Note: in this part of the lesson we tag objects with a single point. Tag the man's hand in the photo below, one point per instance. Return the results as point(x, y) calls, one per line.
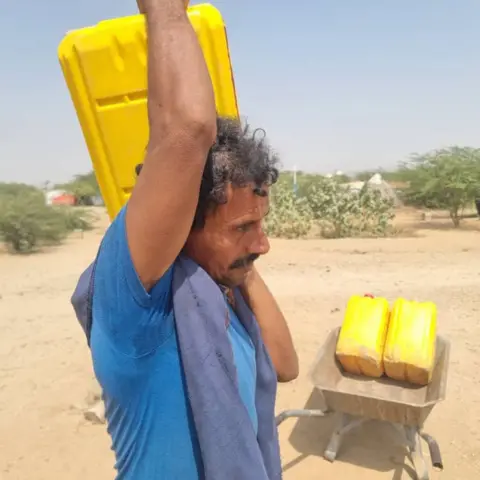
point(274, 328)
point(182, 125)
point(141, 6)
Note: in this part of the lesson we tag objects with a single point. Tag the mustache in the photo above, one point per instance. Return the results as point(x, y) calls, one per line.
point(244, 262)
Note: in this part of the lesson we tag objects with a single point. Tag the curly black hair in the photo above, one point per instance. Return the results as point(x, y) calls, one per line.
point(240, 156)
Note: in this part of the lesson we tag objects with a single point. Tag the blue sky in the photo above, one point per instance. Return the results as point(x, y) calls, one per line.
point(337, 84)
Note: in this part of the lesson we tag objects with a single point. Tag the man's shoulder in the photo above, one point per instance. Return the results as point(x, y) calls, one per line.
point(116, 276)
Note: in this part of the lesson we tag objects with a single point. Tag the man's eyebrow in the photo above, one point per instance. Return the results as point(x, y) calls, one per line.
point(249, 221)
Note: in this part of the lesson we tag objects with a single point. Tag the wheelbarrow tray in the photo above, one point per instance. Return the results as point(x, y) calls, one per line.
point(380, 399)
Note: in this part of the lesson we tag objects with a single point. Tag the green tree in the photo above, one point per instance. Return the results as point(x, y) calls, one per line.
point(27, 222)
point(83, 186)
point(447, 179)
point(342, 178)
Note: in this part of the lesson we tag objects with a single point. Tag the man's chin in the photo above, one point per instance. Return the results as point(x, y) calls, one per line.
point(235, 278)
point(242, 274)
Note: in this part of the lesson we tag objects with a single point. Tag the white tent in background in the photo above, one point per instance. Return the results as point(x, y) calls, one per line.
point(376, 182)
point(376, 179)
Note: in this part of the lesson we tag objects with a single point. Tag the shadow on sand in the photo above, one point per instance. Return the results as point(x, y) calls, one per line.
point(373, 446)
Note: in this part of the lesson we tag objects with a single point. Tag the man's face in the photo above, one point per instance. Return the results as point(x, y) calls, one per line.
point(232, 238)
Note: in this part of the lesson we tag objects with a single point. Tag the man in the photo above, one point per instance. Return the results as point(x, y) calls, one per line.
point(185, 375)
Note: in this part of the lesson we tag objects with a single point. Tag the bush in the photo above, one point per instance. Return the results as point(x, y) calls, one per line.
point(76, 218)
point(290, 216)
point(376, 213)
point(27, 223)
point(16, 190)
point(341, 212)
point(334, 208)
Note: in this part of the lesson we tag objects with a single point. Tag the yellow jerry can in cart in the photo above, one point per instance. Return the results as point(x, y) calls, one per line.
point(362, 336)
point(409, 353)
point(105, 68)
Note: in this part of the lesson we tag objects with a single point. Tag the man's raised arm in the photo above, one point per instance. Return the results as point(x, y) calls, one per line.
point(182, 122)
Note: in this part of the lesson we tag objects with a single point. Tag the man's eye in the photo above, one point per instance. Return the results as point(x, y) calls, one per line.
point(243, 228)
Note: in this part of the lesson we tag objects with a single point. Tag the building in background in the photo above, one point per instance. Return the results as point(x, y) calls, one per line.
point(60, 197)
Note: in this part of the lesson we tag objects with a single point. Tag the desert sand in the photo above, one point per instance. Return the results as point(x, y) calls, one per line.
point(46, 375)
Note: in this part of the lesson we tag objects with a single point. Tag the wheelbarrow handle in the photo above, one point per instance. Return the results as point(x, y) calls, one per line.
point(434, 449)
point(298, 413)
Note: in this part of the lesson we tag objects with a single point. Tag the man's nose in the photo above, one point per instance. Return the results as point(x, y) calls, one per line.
point(261, 245)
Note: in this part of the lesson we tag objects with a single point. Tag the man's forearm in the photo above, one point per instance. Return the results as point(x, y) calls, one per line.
point(275, 332)
point(182, 129)
point(180, 92)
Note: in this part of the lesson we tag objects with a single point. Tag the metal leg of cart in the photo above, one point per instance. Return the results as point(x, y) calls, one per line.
point(416, 453)
point(412, 438)
point(344, 424)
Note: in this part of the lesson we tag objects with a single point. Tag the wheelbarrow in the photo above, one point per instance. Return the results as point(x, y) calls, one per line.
point(356, 400)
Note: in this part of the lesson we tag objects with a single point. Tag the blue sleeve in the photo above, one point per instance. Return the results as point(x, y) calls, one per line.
point(135, 321)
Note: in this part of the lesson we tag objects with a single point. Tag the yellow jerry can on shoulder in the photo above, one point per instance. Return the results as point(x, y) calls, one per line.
point(362, 336)
point(409, 353)
point(105, 68)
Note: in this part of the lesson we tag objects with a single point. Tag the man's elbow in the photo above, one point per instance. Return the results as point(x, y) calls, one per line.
point(288, 372)
point(185, 129)
point(201, 129)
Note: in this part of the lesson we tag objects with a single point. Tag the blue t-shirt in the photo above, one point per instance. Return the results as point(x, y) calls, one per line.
point(136, 360)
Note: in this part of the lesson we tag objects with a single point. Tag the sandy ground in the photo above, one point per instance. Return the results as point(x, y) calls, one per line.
point(46, 374)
